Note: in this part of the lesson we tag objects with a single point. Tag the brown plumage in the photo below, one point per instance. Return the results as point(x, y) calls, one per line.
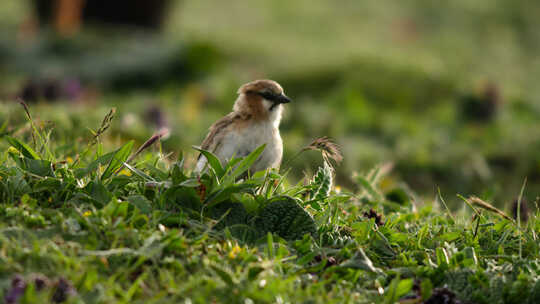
point(253, 122)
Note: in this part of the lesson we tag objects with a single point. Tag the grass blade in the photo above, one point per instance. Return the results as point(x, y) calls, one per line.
point(519, 215)
point(139, 173)
point(118, 160)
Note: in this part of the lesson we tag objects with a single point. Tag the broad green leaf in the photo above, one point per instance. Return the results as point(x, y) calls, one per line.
point(213, 161)
point(248, 161)
point(98, 192)
point(397, 289)
point(23, 148)
point(118, 159)
point(38, 166)
point(403, 287)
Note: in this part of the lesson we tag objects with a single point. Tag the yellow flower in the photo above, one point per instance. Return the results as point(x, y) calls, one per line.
point(69, 160)
point(234, 251)
point(11, 149)
point(126, 172)
point(87, 213)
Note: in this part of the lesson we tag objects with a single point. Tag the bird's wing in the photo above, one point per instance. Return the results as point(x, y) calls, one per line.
point(216, 134)
point(213, 141)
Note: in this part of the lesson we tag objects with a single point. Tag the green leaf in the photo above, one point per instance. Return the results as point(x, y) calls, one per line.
point(231, 164)
point(360, 261)
point(225, 193)
point(450, 236)
point(303, 261)
point(442, 256)
point(224, 275)
point(403, 287)
point(98, 192)
point(93, 166)
point(427, 289)
point(248, 161)
point(369, 188)
point(120, 156)
point(47, 184)
point(213, 161)
point(253, 272)
point(321, 184)
point(184, 197)
point(270, 245)
point(397, 289)
point(177, 173)
point(23, 148)
point(391, 292)
point(115, 208)
point(190, 183)
point(139, 173)
point(399, 196)
point(141, 202)
point(470, 254)
point(314, 204)
point(38, 166)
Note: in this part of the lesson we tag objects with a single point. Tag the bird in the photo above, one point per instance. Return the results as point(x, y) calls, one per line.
point(253, 122)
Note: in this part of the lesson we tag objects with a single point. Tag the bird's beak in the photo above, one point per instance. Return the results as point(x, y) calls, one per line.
point(282, 98)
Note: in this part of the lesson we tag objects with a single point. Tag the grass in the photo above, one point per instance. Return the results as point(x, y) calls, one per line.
point(80, 224)
point(395, 83)
point(90, 213)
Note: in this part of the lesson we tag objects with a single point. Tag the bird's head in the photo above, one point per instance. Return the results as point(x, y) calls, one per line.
point(262, 99)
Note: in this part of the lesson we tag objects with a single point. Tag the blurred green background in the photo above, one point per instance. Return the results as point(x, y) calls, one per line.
point(445, 93)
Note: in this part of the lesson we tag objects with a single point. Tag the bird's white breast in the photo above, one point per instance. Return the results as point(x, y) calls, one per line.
point(241, 142)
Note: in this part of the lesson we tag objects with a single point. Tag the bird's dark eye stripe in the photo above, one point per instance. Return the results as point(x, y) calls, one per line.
point(267, 95)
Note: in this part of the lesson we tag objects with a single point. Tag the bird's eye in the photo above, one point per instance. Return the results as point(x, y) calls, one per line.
point(267, 95)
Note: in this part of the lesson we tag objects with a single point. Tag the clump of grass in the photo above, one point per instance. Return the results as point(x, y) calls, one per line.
point(151, 239)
